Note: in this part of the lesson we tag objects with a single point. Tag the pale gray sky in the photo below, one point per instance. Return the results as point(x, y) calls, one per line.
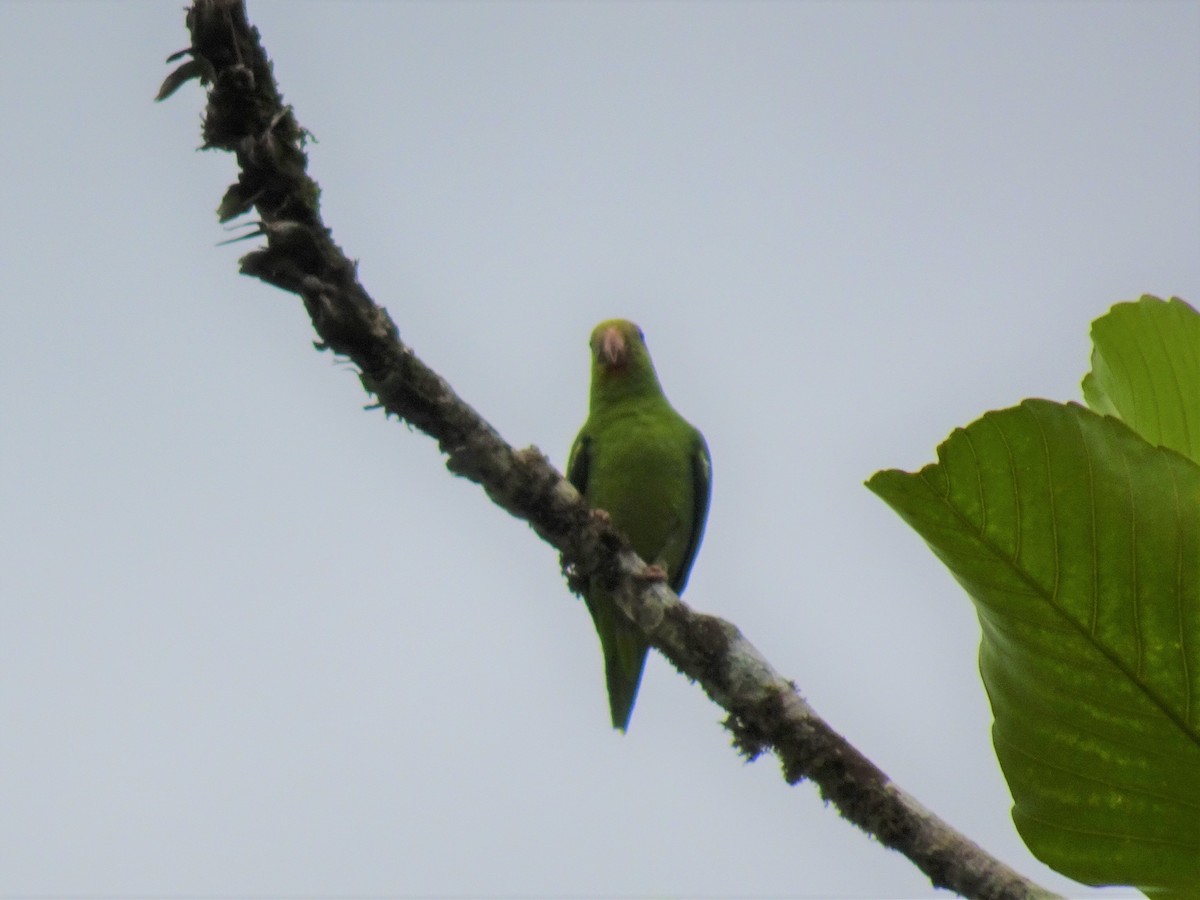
point(256, 641)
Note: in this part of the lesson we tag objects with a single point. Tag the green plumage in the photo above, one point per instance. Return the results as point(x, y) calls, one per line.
point(642, 463)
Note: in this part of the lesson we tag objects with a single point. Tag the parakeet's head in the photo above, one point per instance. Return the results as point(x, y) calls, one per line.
point(619, 345)
point(620, 361)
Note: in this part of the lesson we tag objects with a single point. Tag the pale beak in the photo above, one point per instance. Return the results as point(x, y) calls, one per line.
point(613, 349)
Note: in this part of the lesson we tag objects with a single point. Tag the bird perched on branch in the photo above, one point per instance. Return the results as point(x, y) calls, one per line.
point(643, 464)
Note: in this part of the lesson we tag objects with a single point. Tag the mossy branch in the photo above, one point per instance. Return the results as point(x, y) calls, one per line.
point(246, 116)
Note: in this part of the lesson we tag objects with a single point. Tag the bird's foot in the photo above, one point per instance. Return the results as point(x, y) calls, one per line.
point(653, 574)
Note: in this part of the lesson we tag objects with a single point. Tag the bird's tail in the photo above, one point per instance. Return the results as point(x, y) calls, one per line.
point(624, 658)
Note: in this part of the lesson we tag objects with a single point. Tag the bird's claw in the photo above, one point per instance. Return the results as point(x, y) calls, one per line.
point(653, 574)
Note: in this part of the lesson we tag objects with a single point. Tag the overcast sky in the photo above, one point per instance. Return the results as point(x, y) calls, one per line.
point(255, 640)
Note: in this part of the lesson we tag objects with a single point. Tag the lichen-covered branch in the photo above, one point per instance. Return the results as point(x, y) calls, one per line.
point(247, 117)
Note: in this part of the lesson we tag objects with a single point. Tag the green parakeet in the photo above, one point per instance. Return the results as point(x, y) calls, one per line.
point(642, 463)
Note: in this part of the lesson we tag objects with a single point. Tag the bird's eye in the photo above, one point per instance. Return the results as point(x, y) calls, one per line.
point(641, 336)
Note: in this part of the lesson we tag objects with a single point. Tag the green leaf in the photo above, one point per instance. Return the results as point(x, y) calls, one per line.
point(1079, 544)
point(1146, 371)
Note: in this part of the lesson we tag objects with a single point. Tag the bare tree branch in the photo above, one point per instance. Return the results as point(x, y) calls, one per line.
point(246, 116)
